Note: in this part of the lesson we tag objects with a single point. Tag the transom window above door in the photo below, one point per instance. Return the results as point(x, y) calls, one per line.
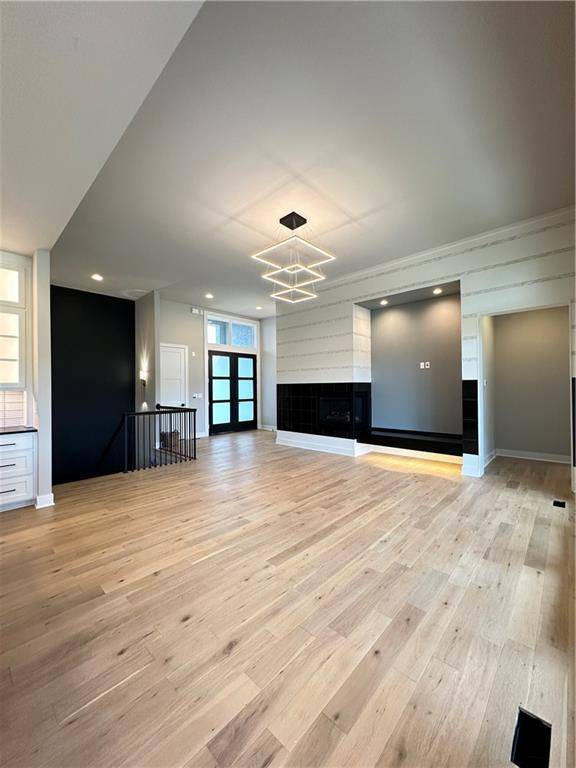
point(224, 332)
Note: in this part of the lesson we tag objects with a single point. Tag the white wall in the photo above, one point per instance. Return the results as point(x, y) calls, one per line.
point(525, 266)
point(532, 384)
point(42, 366)
point(268, 372)
point(488, 444)
point(178, 325)
point(362, 348)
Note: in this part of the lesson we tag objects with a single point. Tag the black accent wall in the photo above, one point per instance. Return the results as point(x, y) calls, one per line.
point(93, 382)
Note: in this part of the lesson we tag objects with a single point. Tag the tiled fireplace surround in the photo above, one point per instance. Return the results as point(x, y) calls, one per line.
point(343, 410)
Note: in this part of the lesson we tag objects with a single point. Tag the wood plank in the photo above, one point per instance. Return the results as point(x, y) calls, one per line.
point(345, 706)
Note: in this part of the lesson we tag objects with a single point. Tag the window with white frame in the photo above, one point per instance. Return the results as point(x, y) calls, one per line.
point(13, 329)
point(229, 332)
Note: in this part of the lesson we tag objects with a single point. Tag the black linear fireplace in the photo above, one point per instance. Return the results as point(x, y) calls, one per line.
point(334, 410)
point(337, 410)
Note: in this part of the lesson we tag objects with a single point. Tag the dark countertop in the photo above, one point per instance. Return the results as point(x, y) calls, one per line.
point(16, 430)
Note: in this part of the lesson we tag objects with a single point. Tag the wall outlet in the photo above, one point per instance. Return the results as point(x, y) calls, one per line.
point(422, 365)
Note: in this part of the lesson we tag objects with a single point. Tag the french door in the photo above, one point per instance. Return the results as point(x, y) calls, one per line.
point(232, 391)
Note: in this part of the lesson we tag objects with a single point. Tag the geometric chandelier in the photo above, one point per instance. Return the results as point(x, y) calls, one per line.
point(293, 264)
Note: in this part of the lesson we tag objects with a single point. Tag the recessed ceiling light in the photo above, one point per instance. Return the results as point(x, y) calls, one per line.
point(258, 307)
point(437, 291)
point(209, 296)
point(384, 302)
point(97, 277)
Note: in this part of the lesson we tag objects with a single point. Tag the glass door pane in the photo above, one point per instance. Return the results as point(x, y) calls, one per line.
point(221, 389)
point(245, 389)
point(220, 413)
point(220, 365)
point(245, 367)
point(246, 411)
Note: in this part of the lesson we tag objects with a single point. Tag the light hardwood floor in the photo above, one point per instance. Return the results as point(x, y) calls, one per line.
point(267, 606)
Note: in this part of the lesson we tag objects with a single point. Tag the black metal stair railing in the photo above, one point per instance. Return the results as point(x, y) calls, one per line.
point(166, 435)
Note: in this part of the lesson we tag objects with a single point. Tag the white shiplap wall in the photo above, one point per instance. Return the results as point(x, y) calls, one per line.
point(525, 266)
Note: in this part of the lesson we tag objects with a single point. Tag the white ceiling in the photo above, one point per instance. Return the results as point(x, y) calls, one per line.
point(393, 127)
point(73, 75)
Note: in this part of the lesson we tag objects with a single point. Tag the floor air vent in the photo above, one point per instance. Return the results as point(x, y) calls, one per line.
point(531, 746)
point(558, 503)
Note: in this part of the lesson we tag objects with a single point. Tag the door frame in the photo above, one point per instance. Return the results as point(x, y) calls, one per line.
point(186, 370)
point(228, 348)
point(236, 426)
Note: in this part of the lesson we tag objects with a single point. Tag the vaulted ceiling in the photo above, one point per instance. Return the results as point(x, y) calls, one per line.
point(72, 77)
point(393, 127)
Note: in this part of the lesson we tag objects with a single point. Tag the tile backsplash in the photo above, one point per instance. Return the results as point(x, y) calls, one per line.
point(12, 408)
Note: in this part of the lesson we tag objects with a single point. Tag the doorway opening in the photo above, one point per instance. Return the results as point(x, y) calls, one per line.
point(526, 385)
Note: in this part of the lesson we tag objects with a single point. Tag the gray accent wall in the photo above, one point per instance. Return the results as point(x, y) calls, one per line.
point(403, 395)
point(532, 382)
point(178, 325)
point(147, 310)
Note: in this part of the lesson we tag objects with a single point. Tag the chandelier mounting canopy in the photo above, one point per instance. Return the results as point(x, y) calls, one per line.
point(293, 220)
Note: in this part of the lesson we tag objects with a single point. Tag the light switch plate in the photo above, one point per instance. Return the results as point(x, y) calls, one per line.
point(427, 365)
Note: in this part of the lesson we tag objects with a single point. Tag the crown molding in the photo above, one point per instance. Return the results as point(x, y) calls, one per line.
point(559, 217)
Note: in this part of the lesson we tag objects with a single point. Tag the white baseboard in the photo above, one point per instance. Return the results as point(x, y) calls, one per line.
point(16, 505)
point(340, 445)
point(360, 449)
point(490, 458)
point(347, 447)
point(471, 466)
point(409, 453)
point(557, 458)
point(46, 500)
point(201, 434)
point(267, 427)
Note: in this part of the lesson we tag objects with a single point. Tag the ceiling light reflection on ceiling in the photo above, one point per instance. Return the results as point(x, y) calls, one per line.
point(384, 302)
point(437, 291)
point(258, 307)
point(294, 263)
point(97, 277)
point(209, 296)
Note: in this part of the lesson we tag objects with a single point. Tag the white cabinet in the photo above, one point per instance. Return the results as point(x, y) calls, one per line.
point(17, 469)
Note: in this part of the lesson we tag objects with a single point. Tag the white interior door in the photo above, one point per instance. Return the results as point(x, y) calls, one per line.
point(173, 374)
